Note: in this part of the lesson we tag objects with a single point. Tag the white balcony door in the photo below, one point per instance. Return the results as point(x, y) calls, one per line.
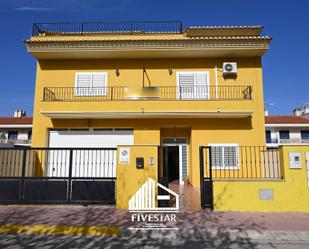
point(193, 85)
point(91, 84)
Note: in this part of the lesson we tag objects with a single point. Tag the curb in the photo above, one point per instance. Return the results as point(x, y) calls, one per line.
point(60, 230)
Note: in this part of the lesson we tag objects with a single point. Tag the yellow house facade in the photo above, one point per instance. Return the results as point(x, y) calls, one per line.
point(176, 87)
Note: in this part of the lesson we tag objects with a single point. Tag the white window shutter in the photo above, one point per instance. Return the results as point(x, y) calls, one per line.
point(90, 84)
point(230, 156)
point(201, 85)
point(193, 85)
point(184, 161)
point(99, 83)
point(217, 156)
point(83, 84)
point(186, 79)
point(186, 85)
point(224, 156)
point(201, 79)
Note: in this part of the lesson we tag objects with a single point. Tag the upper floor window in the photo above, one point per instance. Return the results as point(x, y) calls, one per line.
point(304, 134)
point(193, 85)
point(268, 137)
point(2, 136)
point(90, 84)
point(12, 135)
point(284, 134)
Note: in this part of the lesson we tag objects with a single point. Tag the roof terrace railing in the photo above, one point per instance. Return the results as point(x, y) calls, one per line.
point(99, 28)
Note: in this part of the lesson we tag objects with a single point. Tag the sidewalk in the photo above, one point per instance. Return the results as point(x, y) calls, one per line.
point(220, 227)
point(70, 215)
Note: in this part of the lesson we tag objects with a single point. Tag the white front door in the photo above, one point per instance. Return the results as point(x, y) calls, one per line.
point(85, 163)
point(307, 164)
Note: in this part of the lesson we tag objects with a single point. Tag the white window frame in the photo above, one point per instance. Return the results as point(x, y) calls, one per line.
point(91, 93)
point(237, 167)
point(193, 72)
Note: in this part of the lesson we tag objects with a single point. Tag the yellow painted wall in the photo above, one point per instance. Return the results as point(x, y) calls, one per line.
point(61, 73)
point(244, 131)
point(129, 178)
point(290, 194)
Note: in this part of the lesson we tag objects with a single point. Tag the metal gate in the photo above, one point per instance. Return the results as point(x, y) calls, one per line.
point(57, 175)
point(206, 178)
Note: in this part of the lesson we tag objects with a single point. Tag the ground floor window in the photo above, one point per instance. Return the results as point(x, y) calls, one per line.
point(224, 156)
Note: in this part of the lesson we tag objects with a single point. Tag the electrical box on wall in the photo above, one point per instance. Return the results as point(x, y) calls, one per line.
point(295, 160)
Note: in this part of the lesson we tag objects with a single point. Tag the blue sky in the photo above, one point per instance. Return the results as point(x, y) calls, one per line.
point(286, 65)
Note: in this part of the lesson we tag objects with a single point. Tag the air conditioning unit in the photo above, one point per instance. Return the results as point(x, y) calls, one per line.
point(229, 68)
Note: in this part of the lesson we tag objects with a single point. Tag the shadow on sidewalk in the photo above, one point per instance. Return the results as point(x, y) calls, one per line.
point(202, 229)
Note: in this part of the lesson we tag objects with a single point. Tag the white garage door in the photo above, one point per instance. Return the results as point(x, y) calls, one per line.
point(90, 139)
point(86, 163)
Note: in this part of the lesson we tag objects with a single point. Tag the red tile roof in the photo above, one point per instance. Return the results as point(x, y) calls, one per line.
point(286, 120)
point(14, 121)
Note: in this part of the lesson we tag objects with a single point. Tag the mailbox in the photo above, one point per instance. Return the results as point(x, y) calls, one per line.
point(139, 162)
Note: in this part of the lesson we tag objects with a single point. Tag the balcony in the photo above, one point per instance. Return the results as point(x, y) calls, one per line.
point(159, 93)
point(16, 141)
point(289, 141)
point(101, 28)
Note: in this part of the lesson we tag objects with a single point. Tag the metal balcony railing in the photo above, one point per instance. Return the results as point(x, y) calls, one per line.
point(294, 140)
point(116, 93)
point(272, 141)
point(15, 141)
point(206, 93)
point(79, 94)
point(288, 141)
point(97, 28)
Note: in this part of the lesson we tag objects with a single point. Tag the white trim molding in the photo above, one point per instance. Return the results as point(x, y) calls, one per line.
point(143, 114)
point(15, 125)
point(287, 125)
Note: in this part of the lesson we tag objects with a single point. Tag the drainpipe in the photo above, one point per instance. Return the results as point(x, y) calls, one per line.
point(216, 76)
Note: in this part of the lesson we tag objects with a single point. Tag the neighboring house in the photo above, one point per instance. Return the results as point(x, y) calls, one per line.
point(302, 111)
point(16, 130)
point(110, 84)
point(287, 130)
